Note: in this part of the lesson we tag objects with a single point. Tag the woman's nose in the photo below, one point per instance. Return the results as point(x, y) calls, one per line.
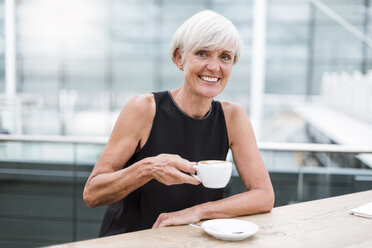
point(213, 64)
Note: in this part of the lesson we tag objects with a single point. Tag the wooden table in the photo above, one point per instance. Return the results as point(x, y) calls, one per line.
point(320, 223)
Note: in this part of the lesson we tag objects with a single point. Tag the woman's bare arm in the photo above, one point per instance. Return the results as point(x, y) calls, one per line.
point(109, 182)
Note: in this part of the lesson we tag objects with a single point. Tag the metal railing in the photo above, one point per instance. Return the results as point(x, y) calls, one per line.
point(263, 146)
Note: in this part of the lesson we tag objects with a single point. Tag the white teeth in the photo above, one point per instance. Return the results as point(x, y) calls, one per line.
point(209, 79)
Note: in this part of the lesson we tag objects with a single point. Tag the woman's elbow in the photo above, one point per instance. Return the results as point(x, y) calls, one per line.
point(89, 199)
point(269, 202)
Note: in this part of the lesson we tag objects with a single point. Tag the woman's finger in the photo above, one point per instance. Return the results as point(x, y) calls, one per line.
point(160, 221)
point(171, 169)
point(186, 166)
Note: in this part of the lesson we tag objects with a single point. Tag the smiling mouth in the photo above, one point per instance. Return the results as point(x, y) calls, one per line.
point(209, 79)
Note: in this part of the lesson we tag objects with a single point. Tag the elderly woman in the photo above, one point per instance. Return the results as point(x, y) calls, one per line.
point(145, 171)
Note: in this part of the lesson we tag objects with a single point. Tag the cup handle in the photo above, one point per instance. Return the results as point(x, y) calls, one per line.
point(196, 176)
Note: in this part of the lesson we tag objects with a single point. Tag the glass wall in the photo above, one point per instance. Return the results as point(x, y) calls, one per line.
point(334, 47)
point(73, 62)
point(287, 46)
point(78, 67)
point(304, 41)
point(2, 47)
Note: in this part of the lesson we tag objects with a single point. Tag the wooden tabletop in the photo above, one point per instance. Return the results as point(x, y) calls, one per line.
point(320, 223)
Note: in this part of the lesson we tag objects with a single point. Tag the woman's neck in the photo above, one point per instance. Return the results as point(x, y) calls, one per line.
point(195, 106)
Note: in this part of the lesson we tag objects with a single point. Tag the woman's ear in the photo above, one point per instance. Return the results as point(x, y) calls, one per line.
point(177, 58)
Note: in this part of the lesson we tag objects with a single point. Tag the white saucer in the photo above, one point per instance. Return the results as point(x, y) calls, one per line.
point(229, 229)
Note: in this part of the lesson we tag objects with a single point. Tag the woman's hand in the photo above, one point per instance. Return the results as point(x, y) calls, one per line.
point(185, 216)
point(171, 169)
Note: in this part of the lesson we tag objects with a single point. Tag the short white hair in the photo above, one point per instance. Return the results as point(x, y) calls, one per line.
point(206, 29)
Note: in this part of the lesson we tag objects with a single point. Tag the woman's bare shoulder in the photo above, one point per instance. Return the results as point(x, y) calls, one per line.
point(233, 110)
point(140, 108)
point(137, 114)
point(144, 103)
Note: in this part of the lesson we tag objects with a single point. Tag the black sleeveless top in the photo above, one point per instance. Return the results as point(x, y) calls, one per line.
point(172, 132)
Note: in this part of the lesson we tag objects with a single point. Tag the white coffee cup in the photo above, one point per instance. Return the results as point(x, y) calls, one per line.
point(213, 173)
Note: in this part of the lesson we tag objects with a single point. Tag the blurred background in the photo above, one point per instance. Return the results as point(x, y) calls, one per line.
point(67, 67)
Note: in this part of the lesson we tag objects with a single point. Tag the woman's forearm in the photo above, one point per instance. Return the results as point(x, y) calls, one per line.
point(251, 202)
point(107, 188)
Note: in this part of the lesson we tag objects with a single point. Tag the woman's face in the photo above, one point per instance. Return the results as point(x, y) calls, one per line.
point(207, 71)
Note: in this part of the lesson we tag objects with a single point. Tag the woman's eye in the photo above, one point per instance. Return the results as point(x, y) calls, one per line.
point(202, 53)
point(226, 57)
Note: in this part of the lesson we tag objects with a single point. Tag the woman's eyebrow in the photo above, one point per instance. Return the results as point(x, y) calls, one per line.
point(227, 51)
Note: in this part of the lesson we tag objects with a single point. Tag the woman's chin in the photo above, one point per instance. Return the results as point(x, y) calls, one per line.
point(210, 93)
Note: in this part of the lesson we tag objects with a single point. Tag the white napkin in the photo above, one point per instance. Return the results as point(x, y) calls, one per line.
point(363, 211)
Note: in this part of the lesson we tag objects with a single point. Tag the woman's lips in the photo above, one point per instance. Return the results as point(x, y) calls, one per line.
point(209, 79)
